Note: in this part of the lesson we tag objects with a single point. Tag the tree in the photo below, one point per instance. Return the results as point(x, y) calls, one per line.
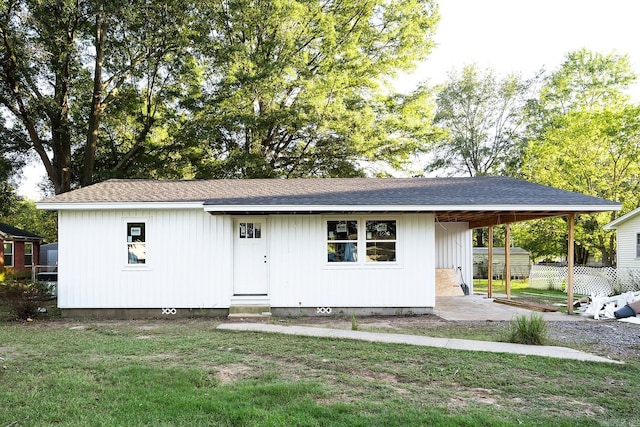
point(64, 62)
point(585, 137)
point(239, 88)
point(24, 215)
point(7, 195)
point(481, 116)
point(296, 88)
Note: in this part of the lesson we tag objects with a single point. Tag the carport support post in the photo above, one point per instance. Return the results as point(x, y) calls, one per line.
point(507, 258)
point(570, 256)
point(490, 264)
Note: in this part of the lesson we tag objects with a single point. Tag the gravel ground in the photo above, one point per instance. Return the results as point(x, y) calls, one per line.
point(609, 338)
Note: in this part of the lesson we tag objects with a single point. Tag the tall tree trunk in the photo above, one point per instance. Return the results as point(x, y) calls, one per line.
point(97, 107)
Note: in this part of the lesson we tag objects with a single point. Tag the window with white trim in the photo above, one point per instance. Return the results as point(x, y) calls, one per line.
point(378, 237)
point(136, 243)
point(342, 240)
point(28, 254)
point(638, 245)
point(381, 240)
point(8, 254)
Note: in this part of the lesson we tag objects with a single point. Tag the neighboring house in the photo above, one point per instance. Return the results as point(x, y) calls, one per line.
point(520, 262)
point(365, 245)
point(19, 251)
point(628, 239)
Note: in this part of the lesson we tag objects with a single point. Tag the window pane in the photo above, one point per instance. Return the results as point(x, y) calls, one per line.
point(257, 230)
point(137, 253)
point(381, 230)
point(381, 252)
point(243, 230)
point(136, 232)
point(8, 254)
point(342, 252)
point(249, 230)
point(342, 230)
point(28, 254)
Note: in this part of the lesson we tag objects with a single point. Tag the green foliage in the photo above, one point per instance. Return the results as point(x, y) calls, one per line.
point(211, 89)
point(542, 238)
point(532, 330)
point(294, 88)
point(481, 117)
point(584, 136)
point(23, 298)
point(24, 215)
point(354, 323)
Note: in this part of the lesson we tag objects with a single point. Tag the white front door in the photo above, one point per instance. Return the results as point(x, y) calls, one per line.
point(250, 256)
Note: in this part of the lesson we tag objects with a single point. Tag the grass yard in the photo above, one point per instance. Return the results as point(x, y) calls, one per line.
point(185, 372)
point(520, 291)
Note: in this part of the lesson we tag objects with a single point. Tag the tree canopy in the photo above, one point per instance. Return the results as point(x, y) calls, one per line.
point(585, 137)
point(481, 116)
point(237, 88)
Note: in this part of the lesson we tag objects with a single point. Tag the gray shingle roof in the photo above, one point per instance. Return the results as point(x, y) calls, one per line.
point(476, 191)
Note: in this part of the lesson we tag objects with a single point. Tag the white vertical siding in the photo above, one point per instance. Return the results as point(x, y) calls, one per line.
point(454, 248)
point(190, 264)
point(627, 240)
point(301, 276)
point(188, 260)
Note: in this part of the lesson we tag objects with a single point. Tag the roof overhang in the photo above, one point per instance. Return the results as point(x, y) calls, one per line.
point(613, 225)
point(475, 215)
point(92, 206)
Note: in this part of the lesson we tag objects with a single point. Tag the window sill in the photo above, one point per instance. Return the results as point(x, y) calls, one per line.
point(139, 267)
point(362, 266)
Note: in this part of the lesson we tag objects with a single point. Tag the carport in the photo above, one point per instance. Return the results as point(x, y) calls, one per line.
point(528, 203)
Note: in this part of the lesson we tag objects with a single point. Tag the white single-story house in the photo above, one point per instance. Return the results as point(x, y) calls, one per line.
point(330, 245)
point(628, 239)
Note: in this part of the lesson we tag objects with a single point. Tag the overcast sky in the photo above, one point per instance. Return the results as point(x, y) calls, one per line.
point(509, 36)
point(524, 36)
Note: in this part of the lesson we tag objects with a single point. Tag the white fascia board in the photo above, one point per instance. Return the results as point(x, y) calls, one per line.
point(624, 218)
point(407, 208)
point(118, 206)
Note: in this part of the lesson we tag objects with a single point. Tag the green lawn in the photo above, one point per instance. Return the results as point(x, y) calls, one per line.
point(185, 372)
point(520, 291)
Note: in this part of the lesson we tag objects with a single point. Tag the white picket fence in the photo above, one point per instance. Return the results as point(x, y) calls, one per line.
point(604, 281)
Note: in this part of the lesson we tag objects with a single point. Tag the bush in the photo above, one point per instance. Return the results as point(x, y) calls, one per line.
point(24, 298)
point(528, 331)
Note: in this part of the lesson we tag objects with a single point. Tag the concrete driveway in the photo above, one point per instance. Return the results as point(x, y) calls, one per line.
point(479, 307)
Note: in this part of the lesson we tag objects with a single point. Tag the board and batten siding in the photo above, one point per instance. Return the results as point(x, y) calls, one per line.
point(627, 233)
point(189, 260)
point(300, 275)
point(454, 249)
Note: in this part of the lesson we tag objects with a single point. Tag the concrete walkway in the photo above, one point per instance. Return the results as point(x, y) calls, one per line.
point(480, 308)
point(449, 343)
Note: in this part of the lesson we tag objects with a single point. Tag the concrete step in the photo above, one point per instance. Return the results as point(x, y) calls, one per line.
point(249, 311)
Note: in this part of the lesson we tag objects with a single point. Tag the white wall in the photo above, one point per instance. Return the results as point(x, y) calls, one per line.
point(190, 265)
point(300, 275)
point(454, 249)
point(188, 260)
point(626, 233)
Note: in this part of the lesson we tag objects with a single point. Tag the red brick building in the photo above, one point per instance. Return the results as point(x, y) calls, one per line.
point(19, 251)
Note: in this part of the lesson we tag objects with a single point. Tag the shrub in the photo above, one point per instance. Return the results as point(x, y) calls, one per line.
point(24, 298)
point(354, 323)
point(532, 330)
